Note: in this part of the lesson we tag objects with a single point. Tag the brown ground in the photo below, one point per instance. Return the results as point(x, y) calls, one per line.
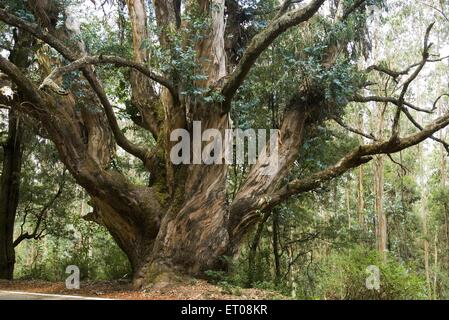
point(195, 290)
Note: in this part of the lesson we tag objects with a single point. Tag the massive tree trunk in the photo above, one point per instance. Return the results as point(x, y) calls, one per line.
point(182, 221)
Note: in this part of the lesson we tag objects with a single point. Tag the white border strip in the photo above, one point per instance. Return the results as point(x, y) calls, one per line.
point(51, 295)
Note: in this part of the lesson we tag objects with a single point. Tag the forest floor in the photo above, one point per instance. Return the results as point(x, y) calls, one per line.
point(195, 290)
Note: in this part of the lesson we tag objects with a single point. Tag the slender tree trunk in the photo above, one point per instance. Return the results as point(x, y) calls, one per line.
point(292, 272)
point(379, 188)
point(446, 229)
point(402, 225)
point(443, 171)
point(335, 197)
point(277, 258)
point(360, 175)
point(435, 265)
point(426, 244)
point(348, 202)
point(253, 251)
point(424, 217)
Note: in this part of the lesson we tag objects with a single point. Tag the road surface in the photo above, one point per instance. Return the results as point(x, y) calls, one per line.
point(16, 295)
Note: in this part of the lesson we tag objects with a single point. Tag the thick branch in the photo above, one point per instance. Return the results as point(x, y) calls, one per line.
point(358, 157)
point(417, 125)
point(140, 152)
point(37, 31)
point(255, 204)
point(425, 57)
point(261, 41)
point(405, 111)
point(28, 88)
point(283, 8)
point(118, 61)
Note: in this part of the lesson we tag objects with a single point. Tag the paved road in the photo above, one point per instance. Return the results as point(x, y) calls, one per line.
point(15, 295)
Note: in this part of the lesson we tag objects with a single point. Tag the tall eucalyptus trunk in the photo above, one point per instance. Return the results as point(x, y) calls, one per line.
point(381, 226)
point(9, 193)
point(13, 147)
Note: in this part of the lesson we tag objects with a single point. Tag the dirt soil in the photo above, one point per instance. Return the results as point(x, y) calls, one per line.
point(195, 290)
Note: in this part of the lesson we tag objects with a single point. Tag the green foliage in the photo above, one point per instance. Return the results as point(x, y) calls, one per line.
point(48, 194)
point(47, 259)
point(20, 9)
point(344, 276)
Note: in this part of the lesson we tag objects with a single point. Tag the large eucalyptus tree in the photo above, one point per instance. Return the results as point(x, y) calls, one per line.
point(183, 222)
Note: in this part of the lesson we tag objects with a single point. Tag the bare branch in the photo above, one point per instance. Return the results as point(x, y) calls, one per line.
point(396, 74)
point(36, 234)
point(354, 130)
point(417, 125)
point(425, 57)
point(358, 98)
point(400, 102)
point(403, 168)
point(438, 99)
point(441, 11)
point(391, 73)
